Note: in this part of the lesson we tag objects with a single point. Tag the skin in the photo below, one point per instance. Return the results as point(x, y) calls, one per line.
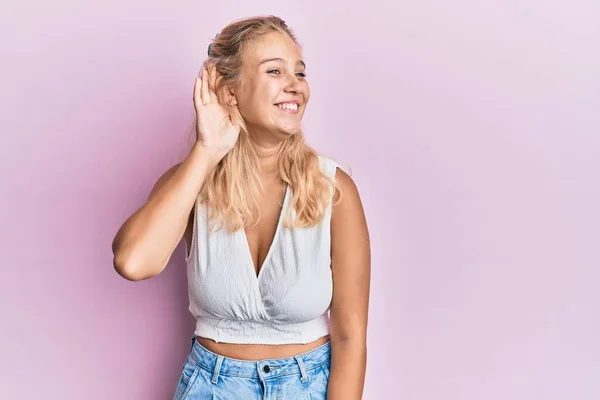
point(273, 72)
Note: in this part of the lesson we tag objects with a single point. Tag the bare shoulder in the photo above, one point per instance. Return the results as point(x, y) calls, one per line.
point(348, 221)
point(348, 200)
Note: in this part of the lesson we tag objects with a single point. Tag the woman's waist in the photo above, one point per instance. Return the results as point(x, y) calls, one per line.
point(257, 352)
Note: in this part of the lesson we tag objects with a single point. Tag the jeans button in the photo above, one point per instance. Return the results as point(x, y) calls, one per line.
point(267, 369)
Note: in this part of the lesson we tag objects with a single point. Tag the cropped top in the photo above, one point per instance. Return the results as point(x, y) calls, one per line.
point(287, 303)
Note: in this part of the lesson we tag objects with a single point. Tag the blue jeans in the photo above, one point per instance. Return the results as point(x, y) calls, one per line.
point(209, 376)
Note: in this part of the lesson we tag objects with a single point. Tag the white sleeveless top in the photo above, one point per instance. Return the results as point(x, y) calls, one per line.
point(287, 303)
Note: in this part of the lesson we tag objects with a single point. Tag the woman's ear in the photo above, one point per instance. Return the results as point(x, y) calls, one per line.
point(230, 97)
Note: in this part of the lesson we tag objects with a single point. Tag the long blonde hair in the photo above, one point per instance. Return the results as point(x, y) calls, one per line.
point(233, 189)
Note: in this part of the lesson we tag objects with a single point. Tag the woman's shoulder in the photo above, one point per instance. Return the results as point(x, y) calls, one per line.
point(335, 169)
point(328, 165)
point(346, 185)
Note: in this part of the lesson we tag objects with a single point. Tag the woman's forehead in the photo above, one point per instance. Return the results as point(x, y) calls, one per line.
point(275, 47)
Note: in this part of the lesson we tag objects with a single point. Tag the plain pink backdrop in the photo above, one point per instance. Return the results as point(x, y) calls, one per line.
point(472, 130)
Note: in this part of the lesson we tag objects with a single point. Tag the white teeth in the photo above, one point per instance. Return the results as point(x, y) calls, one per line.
point(289, 106)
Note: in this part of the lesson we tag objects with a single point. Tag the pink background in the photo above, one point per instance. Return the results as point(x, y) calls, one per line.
point(472, 131)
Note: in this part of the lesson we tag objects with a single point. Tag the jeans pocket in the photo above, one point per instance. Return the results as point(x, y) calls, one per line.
point(187, 377)
point(318, 382)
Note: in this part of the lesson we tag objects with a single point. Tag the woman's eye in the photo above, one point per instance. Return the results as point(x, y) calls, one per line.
point(278, 72)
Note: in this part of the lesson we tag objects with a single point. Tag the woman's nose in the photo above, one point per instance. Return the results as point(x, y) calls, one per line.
point(292, 85)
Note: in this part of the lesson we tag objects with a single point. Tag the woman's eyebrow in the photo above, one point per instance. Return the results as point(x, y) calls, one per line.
point(279, 59)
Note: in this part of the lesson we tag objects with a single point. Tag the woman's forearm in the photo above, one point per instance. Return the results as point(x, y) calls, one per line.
point(348, 365)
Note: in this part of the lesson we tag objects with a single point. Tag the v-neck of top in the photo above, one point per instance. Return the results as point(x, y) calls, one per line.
point(262, 266)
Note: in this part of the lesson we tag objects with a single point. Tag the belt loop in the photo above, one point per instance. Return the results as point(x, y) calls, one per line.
point(215, 377)
point(303, 374)
point(192, 345)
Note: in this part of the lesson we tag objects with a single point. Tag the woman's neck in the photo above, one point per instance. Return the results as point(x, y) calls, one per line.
point(268, 154)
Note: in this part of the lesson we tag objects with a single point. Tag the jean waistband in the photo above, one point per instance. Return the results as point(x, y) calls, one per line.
point(262, 369)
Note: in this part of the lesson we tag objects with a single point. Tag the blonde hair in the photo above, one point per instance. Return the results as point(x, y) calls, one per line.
point(232, 190)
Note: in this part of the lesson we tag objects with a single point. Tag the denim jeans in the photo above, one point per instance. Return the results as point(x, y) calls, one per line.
point(209, 376)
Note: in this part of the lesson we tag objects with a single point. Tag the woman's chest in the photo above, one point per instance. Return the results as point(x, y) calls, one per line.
point(294, 280)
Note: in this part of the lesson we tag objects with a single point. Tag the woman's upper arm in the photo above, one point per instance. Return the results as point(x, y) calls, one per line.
point(350, 263)
point(187, 236)
point(160, 182)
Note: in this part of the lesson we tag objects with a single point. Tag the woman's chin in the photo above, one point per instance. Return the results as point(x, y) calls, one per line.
point(290, 130)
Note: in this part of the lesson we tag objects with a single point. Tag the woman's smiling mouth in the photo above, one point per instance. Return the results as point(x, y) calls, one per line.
point(291, 106)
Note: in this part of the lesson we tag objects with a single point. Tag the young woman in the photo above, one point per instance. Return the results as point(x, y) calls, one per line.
point(278, 253)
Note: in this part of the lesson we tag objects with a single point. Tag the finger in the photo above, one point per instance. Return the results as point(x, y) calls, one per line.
point(213, 84)
point(204, 90)
point(197, 95)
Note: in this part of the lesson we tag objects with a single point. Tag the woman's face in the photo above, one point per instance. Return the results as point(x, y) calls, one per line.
point(274, 92)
